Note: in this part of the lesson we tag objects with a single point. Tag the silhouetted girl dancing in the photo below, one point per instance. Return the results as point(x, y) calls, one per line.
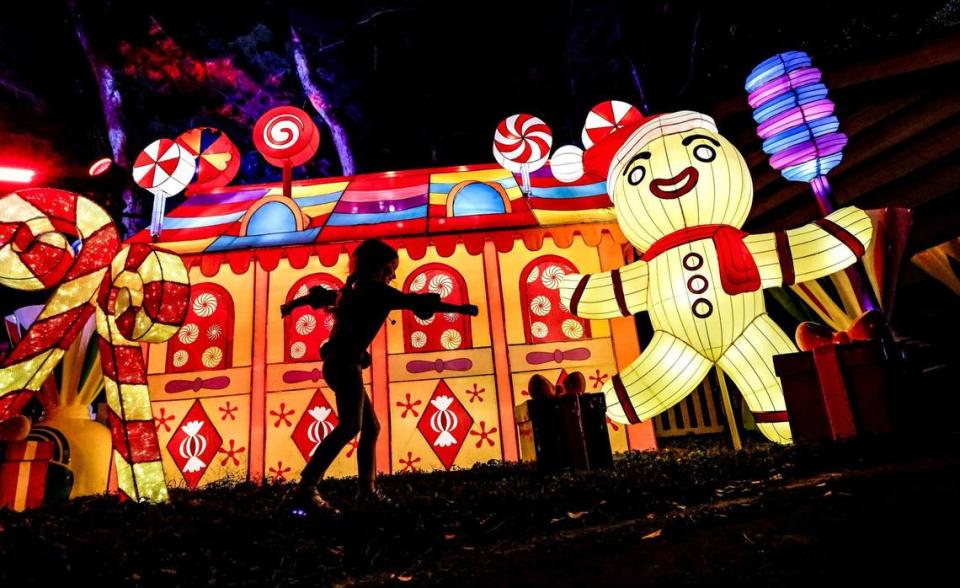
point(359, 309)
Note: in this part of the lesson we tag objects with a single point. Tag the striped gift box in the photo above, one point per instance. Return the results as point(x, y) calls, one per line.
point(23, 473)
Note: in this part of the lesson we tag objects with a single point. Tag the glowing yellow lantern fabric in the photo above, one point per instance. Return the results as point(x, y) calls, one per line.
point(681, 193)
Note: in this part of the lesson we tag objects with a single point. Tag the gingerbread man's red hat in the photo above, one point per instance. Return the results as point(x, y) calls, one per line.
point(614, 129)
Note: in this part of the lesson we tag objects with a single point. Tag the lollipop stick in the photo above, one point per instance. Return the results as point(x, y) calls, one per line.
point(156, 219)
point(525, 178)
point(287, 179)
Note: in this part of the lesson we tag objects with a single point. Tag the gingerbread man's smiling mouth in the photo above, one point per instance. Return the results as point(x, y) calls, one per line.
point(677, 186)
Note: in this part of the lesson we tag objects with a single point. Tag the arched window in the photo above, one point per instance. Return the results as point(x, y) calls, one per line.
point(442, 331)
point(473, 198)
point(205, 340)
point(545, 319)
point(306, 329)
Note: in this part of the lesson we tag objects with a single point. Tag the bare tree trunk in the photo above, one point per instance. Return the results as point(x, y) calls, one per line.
point(319, 101)
point(112, 113)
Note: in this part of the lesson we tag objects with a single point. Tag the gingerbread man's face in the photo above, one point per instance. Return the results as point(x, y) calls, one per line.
point(681, 180)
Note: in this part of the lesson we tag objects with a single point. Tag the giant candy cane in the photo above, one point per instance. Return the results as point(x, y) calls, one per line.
point(139, 294)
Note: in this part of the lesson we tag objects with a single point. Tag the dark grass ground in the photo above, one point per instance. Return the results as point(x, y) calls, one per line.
point(694, 513)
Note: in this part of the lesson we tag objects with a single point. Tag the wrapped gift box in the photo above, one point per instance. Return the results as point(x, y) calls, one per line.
point(565, 432)
point(838, 391)
point(23, 473)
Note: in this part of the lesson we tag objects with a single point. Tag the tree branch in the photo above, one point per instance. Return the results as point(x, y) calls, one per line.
point(322, 105)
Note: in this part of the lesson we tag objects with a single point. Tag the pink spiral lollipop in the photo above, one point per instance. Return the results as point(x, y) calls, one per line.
point(286, 136)
point(607, 117)
point(522, 143)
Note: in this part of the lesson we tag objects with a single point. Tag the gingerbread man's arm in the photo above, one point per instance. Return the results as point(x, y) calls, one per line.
point(812, 251)
point(606, 295)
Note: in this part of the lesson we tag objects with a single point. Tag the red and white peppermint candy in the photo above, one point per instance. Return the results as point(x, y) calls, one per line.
point(522, 141)
point(286, 135)
point(164, 168)
point(606, 118)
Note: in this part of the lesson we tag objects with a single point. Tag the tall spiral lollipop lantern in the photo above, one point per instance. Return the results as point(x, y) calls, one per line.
point(796, 121)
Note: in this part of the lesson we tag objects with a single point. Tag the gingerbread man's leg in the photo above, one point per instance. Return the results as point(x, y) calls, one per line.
point(666, 371)
point(749, 363)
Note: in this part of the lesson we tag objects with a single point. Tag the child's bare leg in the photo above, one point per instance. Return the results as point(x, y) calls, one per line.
point(367, 447)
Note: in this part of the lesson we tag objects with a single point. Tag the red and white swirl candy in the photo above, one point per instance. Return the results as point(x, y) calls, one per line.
point(607, 117)
point(164, 168)
point(286, 136)
point(522, 143)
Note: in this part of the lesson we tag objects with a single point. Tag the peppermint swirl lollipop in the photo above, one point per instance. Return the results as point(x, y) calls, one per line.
point(522, 143)
point(286, 136)
point(164, 169)
point(607, 117)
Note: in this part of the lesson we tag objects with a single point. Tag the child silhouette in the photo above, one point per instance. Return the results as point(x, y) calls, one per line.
point(359, 310)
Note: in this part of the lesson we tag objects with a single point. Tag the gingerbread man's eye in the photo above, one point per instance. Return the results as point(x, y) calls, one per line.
point(704, 153)
point(636, 175)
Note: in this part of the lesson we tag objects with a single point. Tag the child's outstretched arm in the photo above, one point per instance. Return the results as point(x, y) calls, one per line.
point(318, 297)
point(426, 305)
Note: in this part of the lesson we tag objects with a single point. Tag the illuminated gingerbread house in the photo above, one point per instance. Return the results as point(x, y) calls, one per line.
point(238, 392)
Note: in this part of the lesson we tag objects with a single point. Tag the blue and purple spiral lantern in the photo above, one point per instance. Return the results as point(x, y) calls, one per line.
point(796, 122)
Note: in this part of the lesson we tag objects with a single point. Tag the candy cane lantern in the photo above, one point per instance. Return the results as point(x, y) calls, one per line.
point(138, 294)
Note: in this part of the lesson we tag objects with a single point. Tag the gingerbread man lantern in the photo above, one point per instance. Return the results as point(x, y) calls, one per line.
point(681, 193)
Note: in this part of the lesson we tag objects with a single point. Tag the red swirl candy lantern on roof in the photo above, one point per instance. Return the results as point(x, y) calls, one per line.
point(286, 137)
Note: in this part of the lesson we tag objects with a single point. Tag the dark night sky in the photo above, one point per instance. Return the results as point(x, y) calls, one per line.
point(415, 84)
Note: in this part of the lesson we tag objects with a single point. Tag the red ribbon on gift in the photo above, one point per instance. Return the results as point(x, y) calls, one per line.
point(870, 325)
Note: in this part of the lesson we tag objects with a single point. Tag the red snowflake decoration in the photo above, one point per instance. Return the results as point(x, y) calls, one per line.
point(484, 434)
point(599, 379)
point(282, 416)
point(612, 424)
point(408, 406)
point(409, 464)
point(228, 411)
point(475, 394)
point(279, 472)
point(354, 443)
point(231, 453)
point(163, 419)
